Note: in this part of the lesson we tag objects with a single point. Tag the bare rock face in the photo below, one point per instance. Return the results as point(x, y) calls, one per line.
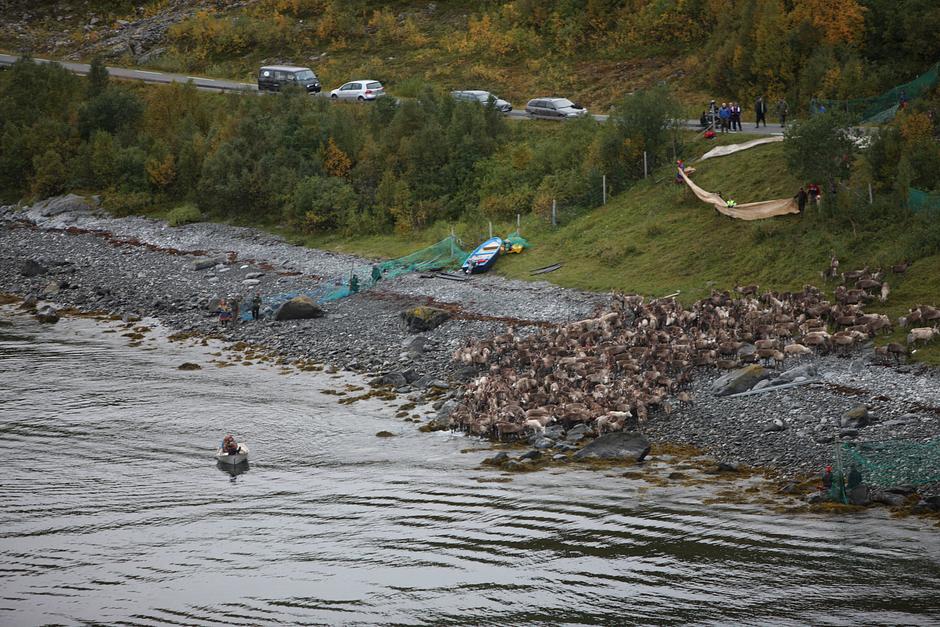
point(619, 445)
point(57, 205)
point(298, 308)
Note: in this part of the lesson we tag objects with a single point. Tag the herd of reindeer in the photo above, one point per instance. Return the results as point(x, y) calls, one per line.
point(612, 371)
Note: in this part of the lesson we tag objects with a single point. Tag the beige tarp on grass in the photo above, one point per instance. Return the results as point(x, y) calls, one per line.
point(747, 211)
point(721, 151)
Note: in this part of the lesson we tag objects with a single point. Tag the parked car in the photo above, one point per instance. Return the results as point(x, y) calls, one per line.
point(554, 108)
point(276, 77)
point(476, 95)
point(359, 90)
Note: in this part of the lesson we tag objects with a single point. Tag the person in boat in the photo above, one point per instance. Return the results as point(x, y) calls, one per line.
point(229, 445)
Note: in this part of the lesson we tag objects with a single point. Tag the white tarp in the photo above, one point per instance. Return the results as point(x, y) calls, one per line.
point(747, 211)
point(721, 151)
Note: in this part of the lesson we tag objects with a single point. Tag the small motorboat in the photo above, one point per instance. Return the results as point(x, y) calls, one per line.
point(233, 459)
point(483, 257)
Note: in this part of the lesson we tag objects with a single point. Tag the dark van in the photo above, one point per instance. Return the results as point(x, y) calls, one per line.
point(276, 77)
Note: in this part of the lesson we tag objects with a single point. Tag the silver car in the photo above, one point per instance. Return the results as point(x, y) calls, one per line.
point(359, 90)
point(554, 108)
point(477, 95)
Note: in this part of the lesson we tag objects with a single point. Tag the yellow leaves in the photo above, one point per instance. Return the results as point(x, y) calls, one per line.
point(161, 172)
point(389, 30)
point(335, 161)
point(830, 80)
point(486, 37)
point(838, 21)
point(521, 157)
point(916, 127)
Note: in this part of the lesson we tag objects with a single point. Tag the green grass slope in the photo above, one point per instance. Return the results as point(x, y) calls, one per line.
point(657, 238)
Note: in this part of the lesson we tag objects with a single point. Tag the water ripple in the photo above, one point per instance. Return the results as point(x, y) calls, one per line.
point(112, 511)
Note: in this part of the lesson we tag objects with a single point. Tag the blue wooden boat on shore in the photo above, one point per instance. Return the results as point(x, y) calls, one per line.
point(483, 257)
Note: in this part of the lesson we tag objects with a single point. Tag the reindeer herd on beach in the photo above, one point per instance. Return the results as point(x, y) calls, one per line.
point(611, 371)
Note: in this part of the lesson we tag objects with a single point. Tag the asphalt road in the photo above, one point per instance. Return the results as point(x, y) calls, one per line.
point(222, 85)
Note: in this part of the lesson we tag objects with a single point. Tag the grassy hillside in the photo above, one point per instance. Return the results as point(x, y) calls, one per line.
point(657, 238)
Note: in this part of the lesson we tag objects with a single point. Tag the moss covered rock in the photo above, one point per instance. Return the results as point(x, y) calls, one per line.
point(421, 319)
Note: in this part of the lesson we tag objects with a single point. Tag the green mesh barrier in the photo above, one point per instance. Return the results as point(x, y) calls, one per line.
point(879, 109)
point(444, 255)
point(515, 239)
point(923, 202)
point(885, 464)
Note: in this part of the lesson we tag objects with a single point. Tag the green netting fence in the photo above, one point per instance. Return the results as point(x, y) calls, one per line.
point(879, 109)
point(444, 255)
point(885, 464)
point(923, 202)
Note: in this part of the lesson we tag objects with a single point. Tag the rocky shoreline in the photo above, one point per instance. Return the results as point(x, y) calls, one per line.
point(67, 253)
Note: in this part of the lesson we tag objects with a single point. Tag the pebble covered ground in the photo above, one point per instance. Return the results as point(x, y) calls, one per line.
point(142, 267)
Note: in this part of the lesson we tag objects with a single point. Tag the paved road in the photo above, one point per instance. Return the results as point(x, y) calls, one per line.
point(222, 85)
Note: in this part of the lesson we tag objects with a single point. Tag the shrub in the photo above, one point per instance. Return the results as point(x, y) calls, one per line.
point(184, 214)
point(122, 204)
point(50, 177)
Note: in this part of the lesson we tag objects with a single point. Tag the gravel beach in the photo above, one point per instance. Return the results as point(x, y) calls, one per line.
point(74, 256)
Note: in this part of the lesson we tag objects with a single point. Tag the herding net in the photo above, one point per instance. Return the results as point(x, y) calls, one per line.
point(879, 109)
point(886, 464)
point(923, 202)
point(444, 255)
point(515, 243)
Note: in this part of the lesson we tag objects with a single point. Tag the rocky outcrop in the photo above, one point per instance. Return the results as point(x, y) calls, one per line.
point(620, 445)
point(57, 205)
point(298, 308)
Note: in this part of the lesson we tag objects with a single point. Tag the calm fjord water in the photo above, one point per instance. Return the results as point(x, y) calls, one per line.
point(112, 510)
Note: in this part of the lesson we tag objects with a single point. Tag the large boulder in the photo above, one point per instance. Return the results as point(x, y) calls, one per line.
point(31, 268)
point(856, 418)
point(298, 308)
point(47, 314)
point(393, 379)
point(740, 380)
point(422, 319)
point(619, 445)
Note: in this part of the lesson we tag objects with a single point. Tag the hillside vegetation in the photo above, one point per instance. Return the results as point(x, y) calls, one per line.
point(590, 50)
point(386, 178)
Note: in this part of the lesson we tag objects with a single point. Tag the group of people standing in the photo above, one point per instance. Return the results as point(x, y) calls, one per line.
point(727, 117)
point(230, 310)
point(811, 193)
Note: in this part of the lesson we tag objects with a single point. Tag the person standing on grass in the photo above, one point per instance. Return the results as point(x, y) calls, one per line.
point(760, 108)
point(782, 110)
point(814, 193)
point(801, 199)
